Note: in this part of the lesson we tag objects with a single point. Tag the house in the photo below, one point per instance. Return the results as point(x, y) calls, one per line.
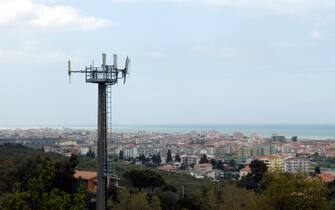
point(244, 171)
point(326, 177)
point(296, 165)
point(89, 178)
point(204, 167)
point(273, 162)
point(189, 159)
point(199, 171)
point(167, 168)
point(215, 175)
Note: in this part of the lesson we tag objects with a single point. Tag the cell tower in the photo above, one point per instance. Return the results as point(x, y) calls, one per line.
point(105, 76)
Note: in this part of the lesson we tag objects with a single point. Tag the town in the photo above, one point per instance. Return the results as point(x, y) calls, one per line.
point(209, 154)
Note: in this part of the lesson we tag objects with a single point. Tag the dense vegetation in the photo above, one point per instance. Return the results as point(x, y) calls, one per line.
point(31, 179)
point(322, 161)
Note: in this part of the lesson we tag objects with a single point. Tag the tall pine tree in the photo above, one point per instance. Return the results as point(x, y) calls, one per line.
point(168, 157)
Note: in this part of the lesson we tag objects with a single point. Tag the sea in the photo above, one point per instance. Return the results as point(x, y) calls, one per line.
point(317, 131)
point(303, 131)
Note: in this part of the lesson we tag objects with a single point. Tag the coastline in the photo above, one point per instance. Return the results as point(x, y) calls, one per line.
point(303, 131)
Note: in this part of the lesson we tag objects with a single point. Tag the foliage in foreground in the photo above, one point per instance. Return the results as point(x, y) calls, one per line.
point(279, 191)
point(43, 184)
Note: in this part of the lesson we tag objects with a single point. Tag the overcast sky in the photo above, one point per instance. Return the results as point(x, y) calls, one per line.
point(193, 61)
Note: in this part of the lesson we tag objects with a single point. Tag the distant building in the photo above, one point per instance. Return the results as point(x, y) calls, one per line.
point(204, 167)
point(189, 160)
point(210, 151)
point(167, 168)
point(199, 171)
point(84, 150)
point(274, 162)
point(246, 151)
point(215, 175)
point(89, 177)
point(326, 177)
point(278, 138)
point(296, 165)
point(130, 151)
point(244, 171)
point(286, 148)
point(221, 151)
point(211, 134)
point(264, 150)
point(238, 135)
point(67, 143)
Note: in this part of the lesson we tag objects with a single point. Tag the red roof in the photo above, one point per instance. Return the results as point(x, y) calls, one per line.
point(246, 169)
point(326, 177)
point(86, 175)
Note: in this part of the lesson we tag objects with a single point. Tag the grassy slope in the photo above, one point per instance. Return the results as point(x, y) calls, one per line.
point(177, 180)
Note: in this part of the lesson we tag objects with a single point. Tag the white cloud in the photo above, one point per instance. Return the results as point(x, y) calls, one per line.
point(280, 6)
point(25, 12)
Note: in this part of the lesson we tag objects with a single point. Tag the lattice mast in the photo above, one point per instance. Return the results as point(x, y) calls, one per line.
point(105, 76)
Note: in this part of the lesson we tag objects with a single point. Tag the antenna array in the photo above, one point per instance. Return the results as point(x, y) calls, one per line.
point(105, 76)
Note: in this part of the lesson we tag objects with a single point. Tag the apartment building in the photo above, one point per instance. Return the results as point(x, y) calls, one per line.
point(296, 165)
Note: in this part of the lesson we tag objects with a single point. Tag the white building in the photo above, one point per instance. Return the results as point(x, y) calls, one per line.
point(130, 152)
point(286, 148)
point(296, 165)
point(84, 150)
point(67, 143)
point(189, 159)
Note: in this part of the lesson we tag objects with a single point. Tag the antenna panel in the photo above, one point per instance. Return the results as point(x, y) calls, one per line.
point(115, 60)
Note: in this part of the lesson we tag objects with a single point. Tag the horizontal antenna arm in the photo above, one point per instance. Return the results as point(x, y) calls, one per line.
point(80, 71)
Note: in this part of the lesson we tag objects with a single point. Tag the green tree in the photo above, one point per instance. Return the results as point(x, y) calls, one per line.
point(156, 159)
point(142, 158)
point(144, 179)
point(155, 203)
point(41, 193)
point(203, 159)
point(177, 158)
point(292, 191)
point(37, 182)
point(188, 203)
point(90, 154)
point(317, 170)
point(168, 157)
point(219, 165)
point(168, 200)
point(159, 159)
point(232, 163)
point(135, 201)
point(294, 138)
point(121, 155)
point(210, 196)
point(253, 180)
point(64, 172)
point(213, 163)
